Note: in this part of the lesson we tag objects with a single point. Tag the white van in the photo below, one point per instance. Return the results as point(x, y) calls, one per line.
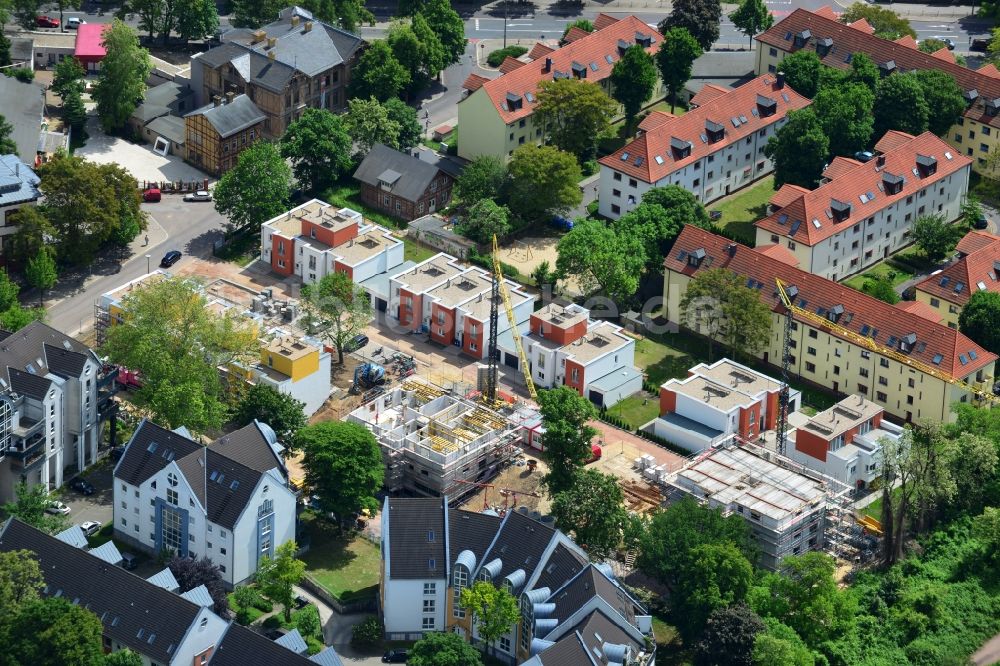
point(74, 22)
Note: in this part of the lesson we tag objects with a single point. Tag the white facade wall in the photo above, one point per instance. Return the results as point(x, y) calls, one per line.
point(707, 415)
point(206, 632)
point(687, 439)
point(313, 390)
point(380, 263)
point(244, 562)
point(404, 605)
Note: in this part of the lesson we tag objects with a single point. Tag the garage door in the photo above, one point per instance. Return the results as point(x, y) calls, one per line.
point(597, 398)
point(510, 360)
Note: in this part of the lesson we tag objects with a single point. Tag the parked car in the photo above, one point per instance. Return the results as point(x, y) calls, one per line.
point(152, 195)
point(82, 486)
point(57, 507)
point(46, 22)
point(981, 223)
point(91, 527)
point(301, 602)
point(200, 195)
point(395, 657)
point(863, 155)
point(129, 561)
point(74, 22)
point(170, 258)
point(561, 223)
point(979, 45)
point(356, 343)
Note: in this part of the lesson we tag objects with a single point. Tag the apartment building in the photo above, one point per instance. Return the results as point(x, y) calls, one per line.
point(147, 616)
point(843, 442)
point(216, 134)
point(284, 67)
point(228, 501)
point(710, 151)
point(861, 213)
point(565, 347)
point(451, 302)
point(572, 611)
point(496, 116)
point(978, 269)
point(826, 357)
point(54, 397)
point(18, 188)
point(976, 134)
point(786, 510)
point(316, 239)
point(716, 401)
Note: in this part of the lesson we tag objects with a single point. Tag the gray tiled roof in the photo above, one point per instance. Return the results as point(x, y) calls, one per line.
point(248, 446)
point(469, 530)
point(416, 175)
point(596, 630)
point(591, 581)
point(410, 550)
point(520, 544)
point(22, 107)
point(232, 488)
point(28, 384)
point(567, 652)
point(18, 183)
point(138, 463)
point(243, 647)
point(561, 565)
point(125, 603)
point(25, 347)
point(21, 48)
point(230, 117)
point(169, 127)
point(64, 362)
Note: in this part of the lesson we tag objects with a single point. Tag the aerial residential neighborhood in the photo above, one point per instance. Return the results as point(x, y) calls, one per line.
point(619, 333)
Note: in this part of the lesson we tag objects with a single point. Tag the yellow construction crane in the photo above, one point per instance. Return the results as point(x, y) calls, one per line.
point(870, 344)
point(500, 286)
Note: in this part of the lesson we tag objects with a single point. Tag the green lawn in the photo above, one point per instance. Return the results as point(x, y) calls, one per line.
point(243, 248)
point(664, 105)
point(451, 140)
point(661, 361)
point(900, 273)
point(416, 251)
point(637, 410)
point(741, 210)
point(347, 567)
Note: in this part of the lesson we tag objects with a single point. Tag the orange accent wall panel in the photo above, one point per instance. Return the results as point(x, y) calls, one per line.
point(811, 445)
point(288, 254)
point(668, 401)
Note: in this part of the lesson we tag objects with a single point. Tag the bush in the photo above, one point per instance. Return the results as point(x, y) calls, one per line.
point(367, 633)
point(486, 261)
point(314, 645)
point(496, 58)
point(22, 74)
point(263, 605)
point(272, 622)
point(307, 621)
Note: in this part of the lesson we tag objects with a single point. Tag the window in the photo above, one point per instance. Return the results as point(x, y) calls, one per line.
point(863, 372)
point(171, 530)
point(696, 183)
point(429, 605)
point(935, 303)
point(617, 176)
point(632, 182)
point(812, 333)
point(884, 362)
point(505, 643)
point(222, 551)
point(616, 193)
point(172, 496)
point(810, 367)
point(430, 588)
point(882, 381)
point(460, 580)
point(773, 52)
point(811, 351)
point(910, 382)
point(428, 623)
point(881, 396)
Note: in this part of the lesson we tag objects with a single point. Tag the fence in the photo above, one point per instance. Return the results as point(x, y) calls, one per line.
point(175, 187)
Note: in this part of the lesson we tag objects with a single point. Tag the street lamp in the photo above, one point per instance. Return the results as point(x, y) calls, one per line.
point(147, 263)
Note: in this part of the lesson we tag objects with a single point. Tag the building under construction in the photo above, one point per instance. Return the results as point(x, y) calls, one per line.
point(434, 442)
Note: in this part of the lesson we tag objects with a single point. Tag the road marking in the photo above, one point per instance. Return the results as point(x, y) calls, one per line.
point(477, 25)
point(517, 25)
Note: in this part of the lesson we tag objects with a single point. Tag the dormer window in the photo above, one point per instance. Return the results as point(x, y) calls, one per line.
point(643, 39)
point(834, 313)
point(892, 184)
point(802, 38)
point(622, 46)
point(695, 258)
point(887, 67)
point(714, 131)
point(992, 106)
point(388, 178)
point(514, 101)
point(579, 70)
point(970, 96)
point(823, 46)
point(766, 106)
point(841, 210)
point(907, 341)
point(680, 147)
point(926, 165)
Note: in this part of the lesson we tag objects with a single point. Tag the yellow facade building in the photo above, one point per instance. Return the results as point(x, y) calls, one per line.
point(978, 269)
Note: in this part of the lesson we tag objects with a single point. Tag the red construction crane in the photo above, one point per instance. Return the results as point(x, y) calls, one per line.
point(478, 484)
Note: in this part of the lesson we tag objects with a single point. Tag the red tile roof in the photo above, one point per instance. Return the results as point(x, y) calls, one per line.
point(779, 252)
point(575, 33)
point(839, 166)
point(603, 21)
point(921, 310)
point(849, 39)
point(861, 311)
point(474, 82)
point(591, 52)
point(827, 12)
point(989, 70)
point(655, 119)
point(707, 93)
point(651, 158)
point(787, 194)
point(509, 64)
point(907, 41)
point(863, 25)
point(945, 54)
point(810, 220)
point(977, 271)
point(539, 50)
point(891, 140)
point(975, 240)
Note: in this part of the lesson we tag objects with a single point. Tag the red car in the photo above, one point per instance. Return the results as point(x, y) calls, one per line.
point(46, 22)
point(151, 195)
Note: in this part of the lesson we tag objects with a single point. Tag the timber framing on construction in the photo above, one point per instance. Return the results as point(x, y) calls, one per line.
point(436, 443)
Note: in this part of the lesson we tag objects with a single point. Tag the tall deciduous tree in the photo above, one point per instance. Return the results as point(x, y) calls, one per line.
point(483, 220)
point(482, 178)
point(676, 56)
point(405, 116)
point(73, 110)
point(713, 576)
point(980, 319)
point(244, 598)
point(633, 80)
point(887, 23)
point(433, 56)
point(255, 13)
point(29, 506)
point(319, 148)
point(443, 648)
point(123, 658)
point(448, 26)
point(343, 466)
point(593, 510)
point(12, 316)
point(34, 232)
point(283, 413)
point(368, 122)
point(845, 112)
point(68, 75)
point(933, 235)
point(378, 73)
point(196, 19)
point(178, 345)
point(277, 576)
point(720, 306)
point(256, 189)
point(341, 308)
point(543, 180)
point(945, 100)
point(21, 580)
point(599, 257)
point(567, 437)
point(900, 105)
point(752, 17)
point(494, 610)
point(41, 274)
point(729, 637)
point(575, 114)
point(700, 18)
point(799, 150)
point(190, 573)
point(802, 70)
point(54, 632)
point(121, 84)
point(779, 644)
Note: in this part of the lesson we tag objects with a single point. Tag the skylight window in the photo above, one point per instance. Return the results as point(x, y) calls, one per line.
point(625, 156)
point(937, 359)
point(659, 160)
point(963, 359)
point(816, 223)
point(972, 354)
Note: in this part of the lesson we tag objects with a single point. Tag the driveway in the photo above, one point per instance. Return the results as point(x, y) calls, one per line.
point(100, 505)
point(138, 159)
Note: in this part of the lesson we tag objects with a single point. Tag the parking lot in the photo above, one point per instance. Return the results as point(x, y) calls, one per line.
point(138, 159)
point(100, 505)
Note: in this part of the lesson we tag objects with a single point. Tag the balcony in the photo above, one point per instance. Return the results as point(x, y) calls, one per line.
point(23, 448)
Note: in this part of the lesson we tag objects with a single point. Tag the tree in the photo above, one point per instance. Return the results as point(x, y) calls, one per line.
point(168, 335)
point(341, 307)
point(805, 596)
point(406, 48)
point(190, 573)
point(7, 145)
point(676, 56)
point(151, 14)
point(483, 220)
point(54, 632)
point(728, 638)
point(368, 122)
point(493, 610)
point(29, 507)
point(482, 178)
point(980, 319)
point(887, 23)
point(41, 274)
point(599, 257)
point(12, 316)
point(673, 534)
point(583, 24)
point(931, 45)
point(244, 598)
point(972, 462)
point(971, 210)
point(933, 235)
point(283, 413)
point(69, 74)
point(123, 657)
point(378, 74)
point(633, 80)
point(802, 72)
point(752, 17)
point(565, 415)
point(26, 11)
point(197, 19)
point(256, 189)
point(779, 644)
point(344, 467)
point(945, 100)
point(319, 148)
point(720, 306)
point(433, 57)
point(443, 648)
point(255, 13)
point(448, 26)
point(121, 83)
point(659, 218)
point(21, 580)
point(895, 470)
point(798, 150)
point(575, 114)
point(73, 110)
point(277, 576)
point(5, 59)
point(545, 277)
point(986, 528)
point(714, 576)
point(593, 510)
point(543, 180)
point(864, 71)
point(34, 233)
point(405, 116)
point(699, 17)
point(900, 105)
point(881, 287)
point(845, 112)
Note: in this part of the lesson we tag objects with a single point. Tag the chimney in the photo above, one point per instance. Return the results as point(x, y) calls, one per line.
point(270, 55)
point(295, 21)
point(308, 26)
point(548, 65)
point(271, 41)
point(216, 100)
point(780, 81)
point(880, 161)
point(257, 36)
point(229, 97)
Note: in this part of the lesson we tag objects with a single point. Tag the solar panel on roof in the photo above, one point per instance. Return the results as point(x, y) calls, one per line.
point(937, 359)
